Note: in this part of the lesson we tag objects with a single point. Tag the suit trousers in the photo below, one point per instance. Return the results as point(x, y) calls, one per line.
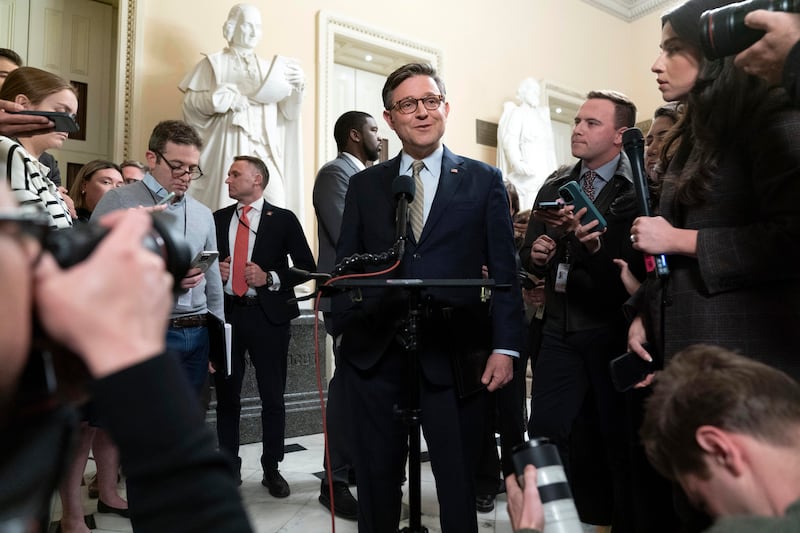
point(337, 419)
point(452, 428)
point(268, 346)
point(568, 368)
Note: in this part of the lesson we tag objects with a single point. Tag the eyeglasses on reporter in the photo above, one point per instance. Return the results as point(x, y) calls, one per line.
point(409, 105)
point(179, 171)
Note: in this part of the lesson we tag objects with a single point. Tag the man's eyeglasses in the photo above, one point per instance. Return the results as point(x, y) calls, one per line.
point(410, 104)
point(179, 170)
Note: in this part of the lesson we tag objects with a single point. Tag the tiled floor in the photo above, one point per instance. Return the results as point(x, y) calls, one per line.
point(301, 512)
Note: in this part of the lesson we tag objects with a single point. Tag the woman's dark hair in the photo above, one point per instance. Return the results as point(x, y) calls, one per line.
point(722, 109)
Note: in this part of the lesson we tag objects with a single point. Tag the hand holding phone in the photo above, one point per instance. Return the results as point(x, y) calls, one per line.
point(555, 204)
point(629, 369)
point(63, 121)
point(572, 193)
point(203, 260)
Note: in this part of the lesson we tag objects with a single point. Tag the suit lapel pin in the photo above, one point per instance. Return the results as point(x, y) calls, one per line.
point(269, 213)
point(454, 171)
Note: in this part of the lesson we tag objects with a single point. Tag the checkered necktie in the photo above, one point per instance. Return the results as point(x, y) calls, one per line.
point(588, 183)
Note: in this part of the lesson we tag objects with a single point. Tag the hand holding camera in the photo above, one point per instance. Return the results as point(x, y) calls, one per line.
point(724, 31)
point(111, 308)
point(766, 58)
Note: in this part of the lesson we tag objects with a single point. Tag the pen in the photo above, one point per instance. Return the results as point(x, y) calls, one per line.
point(168, 198)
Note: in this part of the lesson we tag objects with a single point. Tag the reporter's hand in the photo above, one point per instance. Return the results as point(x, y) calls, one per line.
point(68, 201)
point(192, 278)
point(12, 125)
point(561, 219)
point(626, 276)
point(766, 58)
point(111, 309)
point(655, 235)
point(636, 338)
point(543, 250)
point(525, 507)
point(586, 234)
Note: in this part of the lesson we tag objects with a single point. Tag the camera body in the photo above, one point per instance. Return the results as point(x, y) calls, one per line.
point(560, 514)
point(54, 373)
point(723, 32)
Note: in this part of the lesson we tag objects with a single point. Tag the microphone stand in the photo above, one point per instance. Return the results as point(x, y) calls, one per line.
point(411, 415)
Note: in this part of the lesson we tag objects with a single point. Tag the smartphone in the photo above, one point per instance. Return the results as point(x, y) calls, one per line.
point(629, 369)
point(63, 121)
point(549, 205)
point(572, 193)
point(204, 259)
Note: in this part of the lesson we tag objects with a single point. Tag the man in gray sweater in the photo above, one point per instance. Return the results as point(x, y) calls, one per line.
point(173, 155)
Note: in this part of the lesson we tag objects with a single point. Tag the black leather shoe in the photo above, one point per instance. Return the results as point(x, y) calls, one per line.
point(484, 503)
point(278, 487)
point(102, 507)
point(344, 504)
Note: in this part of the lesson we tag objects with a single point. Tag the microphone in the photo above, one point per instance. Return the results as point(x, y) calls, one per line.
point(403, 189)
point(633, 144)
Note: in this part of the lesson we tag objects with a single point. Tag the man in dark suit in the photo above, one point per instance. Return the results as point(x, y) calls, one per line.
point(256, 306)
point(584, 327)
point(462, 224)
point(356, 135)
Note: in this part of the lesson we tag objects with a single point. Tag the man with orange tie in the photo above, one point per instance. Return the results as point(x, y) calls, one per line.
point(256, 305)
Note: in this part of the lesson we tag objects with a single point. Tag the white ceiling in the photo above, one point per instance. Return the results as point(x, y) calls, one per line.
point(629, 10)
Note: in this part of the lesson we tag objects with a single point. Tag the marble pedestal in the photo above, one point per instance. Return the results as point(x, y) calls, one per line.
point(303, 413)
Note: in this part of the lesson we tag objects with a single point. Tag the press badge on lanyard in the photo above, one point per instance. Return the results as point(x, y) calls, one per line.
point(561, 277)
point(562, 273)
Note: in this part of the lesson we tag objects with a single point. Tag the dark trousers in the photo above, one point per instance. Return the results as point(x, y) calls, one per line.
point(338, 424)
point(568, 368)
point(451, 427)
point(268, 345)
point(503, 416)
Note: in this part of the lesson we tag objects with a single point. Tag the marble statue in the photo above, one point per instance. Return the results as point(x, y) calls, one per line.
point(525, 145)
point(242, 104)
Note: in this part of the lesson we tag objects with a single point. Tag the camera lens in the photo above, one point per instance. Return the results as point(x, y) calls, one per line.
point(560, 514)
point(723, 31)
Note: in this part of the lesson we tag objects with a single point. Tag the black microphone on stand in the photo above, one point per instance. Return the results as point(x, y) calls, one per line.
point(403, 189)
point(633, 143)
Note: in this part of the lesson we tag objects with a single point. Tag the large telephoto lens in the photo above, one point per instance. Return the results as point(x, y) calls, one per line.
point(723, 32)
point(560, 515)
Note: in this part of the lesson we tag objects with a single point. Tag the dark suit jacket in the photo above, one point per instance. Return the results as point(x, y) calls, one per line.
point(330, 189)
point(595, 294)
point(468, 226)
point(278, 237)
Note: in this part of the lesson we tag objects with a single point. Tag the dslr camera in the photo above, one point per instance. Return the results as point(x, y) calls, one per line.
point(723, 32)
point(52, 372)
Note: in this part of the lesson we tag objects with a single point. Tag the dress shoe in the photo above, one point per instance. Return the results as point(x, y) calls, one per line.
point(102, 507)
point(277, 486)
point(344, 504)
point(484, 503)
